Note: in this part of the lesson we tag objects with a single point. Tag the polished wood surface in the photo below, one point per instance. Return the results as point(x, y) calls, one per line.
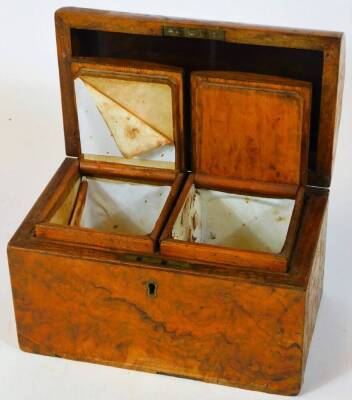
point(206, 322)
point(258, 188)
point(294, 224)
point(209, 329)
point(73, 233)
point(94, 238)
point(315, 205)
point(208, 253)
point(110, 170)
point(250, 127)
point(117, 299)
point(308, 55)
point(79, 204)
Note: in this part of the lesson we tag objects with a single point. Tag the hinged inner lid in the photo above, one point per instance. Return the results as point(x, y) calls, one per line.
point(250, 127)
point(129, 112)
point(312, 56)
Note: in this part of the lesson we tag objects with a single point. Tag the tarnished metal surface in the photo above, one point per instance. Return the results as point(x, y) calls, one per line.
point(194, 33)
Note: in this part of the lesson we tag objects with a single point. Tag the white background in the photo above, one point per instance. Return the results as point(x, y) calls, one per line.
point(32, 148)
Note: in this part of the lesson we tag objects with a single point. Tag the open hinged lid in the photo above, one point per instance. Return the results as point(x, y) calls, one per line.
point(311, 56)
point(251, 129)
point(129, 112)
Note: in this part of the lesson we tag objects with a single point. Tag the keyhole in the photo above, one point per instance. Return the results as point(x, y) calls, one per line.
point(151, 288)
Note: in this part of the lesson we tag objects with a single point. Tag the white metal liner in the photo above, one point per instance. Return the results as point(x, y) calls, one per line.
point(235, 221)
point(123, 207)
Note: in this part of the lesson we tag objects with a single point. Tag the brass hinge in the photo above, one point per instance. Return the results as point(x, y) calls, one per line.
point(194, 33)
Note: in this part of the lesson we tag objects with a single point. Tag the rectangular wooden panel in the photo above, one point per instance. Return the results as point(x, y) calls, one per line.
point(250, 127)
point(216, 330)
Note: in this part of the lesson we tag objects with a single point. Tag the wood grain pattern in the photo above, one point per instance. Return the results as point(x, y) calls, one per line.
point(75, 234)
point(208, 253)
point(70, 120)
point(250, 127)
point(95, 238)
point(63, 188)
point(326, 98)
point(91, 296)
point(168, 207)
point(112, 170)
point(225, 336)
point(79, 204)
point(65, 205)
point(294, 224)
point(245, 186)
point(230, 326)
point(315, 204)
point(314, 290)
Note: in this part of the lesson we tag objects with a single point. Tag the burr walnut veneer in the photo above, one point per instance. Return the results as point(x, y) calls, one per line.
point(184, 233)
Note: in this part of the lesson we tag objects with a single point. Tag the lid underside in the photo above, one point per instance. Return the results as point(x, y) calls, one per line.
point(315, 57)
point(250, 127)
point(127, 115)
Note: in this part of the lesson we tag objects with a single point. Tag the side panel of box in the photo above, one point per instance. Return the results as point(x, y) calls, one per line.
point(213, 329)
point(314, 290)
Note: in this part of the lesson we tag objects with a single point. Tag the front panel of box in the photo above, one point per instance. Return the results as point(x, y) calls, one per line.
point(212, 329)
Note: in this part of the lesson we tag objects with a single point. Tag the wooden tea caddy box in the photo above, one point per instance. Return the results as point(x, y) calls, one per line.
point(108, 297)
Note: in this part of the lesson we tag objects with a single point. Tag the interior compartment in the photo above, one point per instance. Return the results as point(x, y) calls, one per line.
point(115, 206)
point(240, 207)
point(219, 224)
point(130, 124)
point(123, 207)
point(234, 220)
